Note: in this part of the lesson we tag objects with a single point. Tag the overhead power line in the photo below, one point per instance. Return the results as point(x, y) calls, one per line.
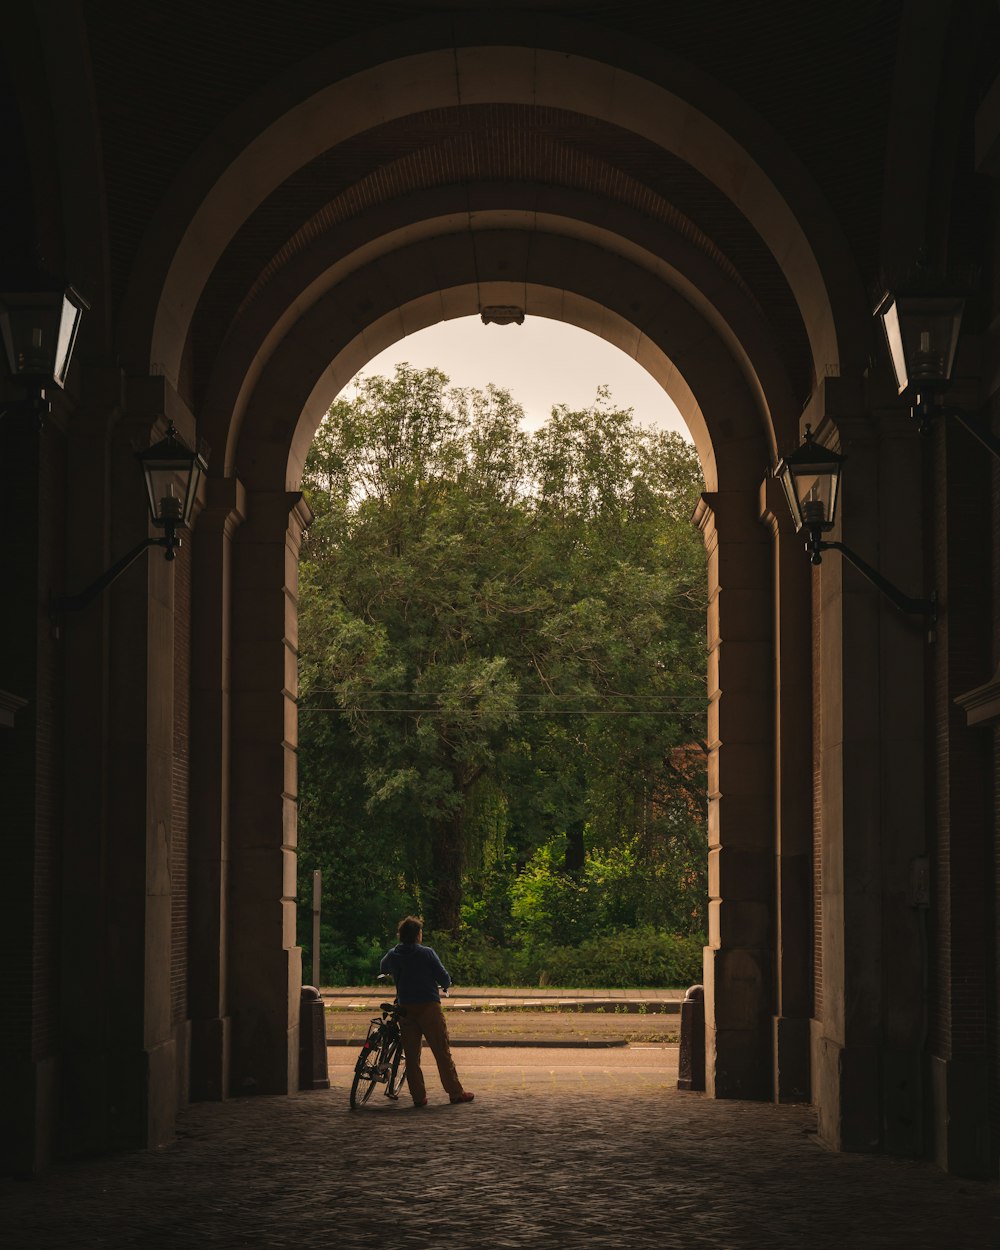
point(443, 711)
point(673, 698)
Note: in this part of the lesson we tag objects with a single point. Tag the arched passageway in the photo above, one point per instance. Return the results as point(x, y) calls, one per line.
point(348, 178)
point(334, 298)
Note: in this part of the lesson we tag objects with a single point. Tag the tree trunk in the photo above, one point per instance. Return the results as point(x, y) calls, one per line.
point(448, 870)
point(575, 851)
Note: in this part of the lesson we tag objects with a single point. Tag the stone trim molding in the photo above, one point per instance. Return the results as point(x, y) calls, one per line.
point(10, 705)
point(981, 705)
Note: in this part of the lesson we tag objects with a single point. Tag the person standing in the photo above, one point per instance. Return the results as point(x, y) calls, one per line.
point(419, 977)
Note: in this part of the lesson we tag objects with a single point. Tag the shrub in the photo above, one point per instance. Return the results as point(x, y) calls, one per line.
point(627, 959)
point(475, 960)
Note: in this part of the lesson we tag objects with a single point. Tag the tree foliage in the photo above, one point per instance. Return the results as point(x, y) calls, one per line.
point(501, 661)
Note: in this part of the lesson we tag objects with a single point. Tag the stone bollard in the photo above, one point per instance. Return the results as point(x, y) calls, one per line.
point(313, 1073)
point(691, 1069)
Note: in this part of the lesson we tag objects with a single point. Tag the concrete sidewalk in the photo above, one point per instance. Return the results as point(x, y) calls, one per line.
point(489, 998)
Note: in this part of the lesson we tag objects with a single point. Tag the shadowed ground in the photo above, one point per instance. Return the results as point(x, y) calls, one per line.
point(560, 1148)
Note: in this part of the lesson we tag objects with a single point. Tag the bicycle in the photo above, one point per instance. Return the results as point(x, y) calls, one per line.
point(381, 1061)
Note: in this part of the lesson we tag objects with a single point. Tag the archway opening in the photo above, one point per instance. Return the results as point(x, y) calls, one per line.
point(502, 708)
point(351, 281)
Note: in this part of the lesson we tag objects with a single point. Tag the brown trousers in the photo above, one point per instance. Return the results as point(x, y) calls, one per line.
point(427, 1020)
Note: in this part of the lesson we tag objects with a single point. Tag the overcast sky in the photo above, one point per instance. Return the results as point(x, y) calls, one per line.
point(541, 363)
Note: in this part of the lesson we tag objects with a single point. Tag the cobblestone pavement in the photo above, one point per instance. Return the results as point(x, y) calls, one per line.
point(560, 1148)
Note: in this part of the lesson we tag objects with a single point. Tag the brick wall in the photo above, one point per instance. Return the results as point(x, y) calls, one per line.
point(962, 659)
point(993, 989)
point(817, 782)
point(48, 751)
point(181, 794)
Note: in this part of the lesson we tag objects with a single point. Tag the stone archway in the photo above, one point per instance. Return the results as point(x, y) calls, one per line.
point(294, 119)
point(260, 555)
point(696, 326)
point(636, 157)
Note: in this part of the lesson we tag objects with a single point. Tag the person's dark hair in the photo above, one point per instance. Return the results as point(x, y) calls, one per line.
point(408, 928)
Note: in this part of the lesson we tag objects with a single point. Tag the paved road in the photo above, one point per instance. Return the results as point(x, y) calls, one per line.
point(560, 1149)
point(473, 998)
point(528, 1028)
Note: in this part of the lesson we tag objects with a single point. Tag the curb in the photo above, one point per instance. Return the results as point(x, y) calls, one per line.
point(613, 1044)
point(609, 1007)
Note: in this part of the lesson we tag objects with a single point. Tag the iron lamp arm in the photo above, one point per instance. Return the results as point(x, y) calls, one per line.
point(74, 603)
point(978, 429)
point(930, 405)
point(905, 603)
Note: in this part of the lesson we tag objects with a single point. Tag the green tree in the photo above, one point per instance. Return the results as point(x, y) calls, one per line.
point(509, 627)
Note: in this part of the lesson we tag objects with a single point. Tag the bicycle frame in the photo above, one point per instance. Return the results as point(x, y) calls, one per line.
point(381, 1060)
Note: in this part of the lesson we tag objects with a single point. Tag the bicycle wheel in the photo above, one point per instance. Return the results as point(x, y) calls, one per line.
point(365, 1074)
point(397, 1068)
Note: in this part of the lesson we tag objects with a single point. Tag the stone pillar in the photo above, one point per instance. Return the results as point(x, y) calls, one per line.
point(867, 1060)
point(84, 640)
point(963, 899)
point(740, 805)
point(210, 786)
point(265, 963)
point(140, 1057)
point(792, 700)
point(31, 508)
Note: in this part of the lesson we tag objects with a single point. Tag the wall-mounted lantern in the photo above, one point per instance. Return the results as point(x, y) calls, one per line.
point(810, 477)
point(172, 471)
point(39, 329)
point(922, 332)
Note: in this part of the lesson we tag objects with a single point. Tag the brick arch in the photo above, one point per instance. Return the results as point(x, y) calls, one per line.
point(252, 571)
point(548, 275)
point(300, 116)
point(517, 230)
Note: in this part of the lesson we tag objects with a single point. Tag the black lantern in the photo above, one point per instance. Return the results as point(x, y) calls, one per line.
point(922, 334)
point(39, 330)
point(811, 480)
point(172, 472)
point(810, 477)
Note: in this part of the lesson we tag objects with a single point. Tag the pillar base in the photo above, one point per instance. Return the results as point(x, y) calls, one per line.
point(265, 1052)
point(210, 1048)
point(29, 1095)
point(846, 1092)
point(961, 1117)
point(790, 1051)
point(737, 1027)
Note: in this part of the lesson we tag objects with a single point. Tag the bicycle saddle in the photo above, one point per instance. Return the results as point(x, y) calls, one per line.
point(388, 1006)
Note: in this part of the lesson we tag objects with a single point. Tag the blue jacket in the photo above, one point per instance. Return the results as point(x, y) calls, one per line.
point(417, 972)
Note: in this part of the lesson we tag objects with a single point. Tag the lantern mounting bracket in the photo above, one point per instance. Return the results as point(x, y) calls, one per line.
point(74, 603)
point(36, 403)
point(927, 608)
point(929, 405)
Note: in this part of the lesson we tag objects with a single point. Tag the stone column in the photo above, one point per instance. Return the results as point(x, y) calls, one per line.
point(740, 804)
point(792, 701)
point(963, 893)
point(265, 962)
point(141, 1050)
point(84, 640)
point(867, 1079)
point(211, 725)
point(31, 508)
